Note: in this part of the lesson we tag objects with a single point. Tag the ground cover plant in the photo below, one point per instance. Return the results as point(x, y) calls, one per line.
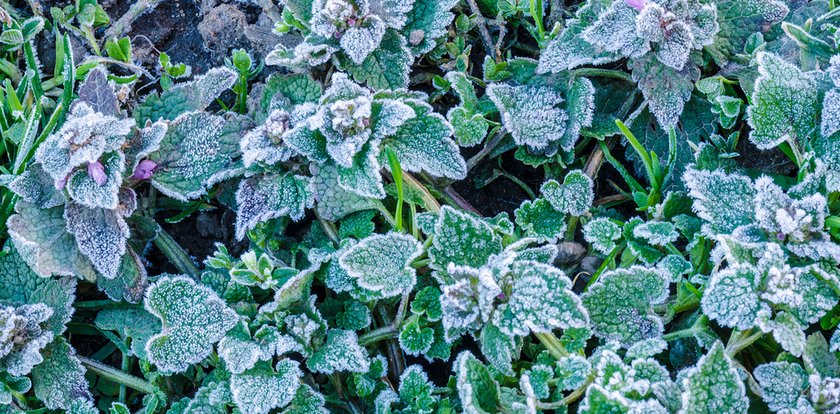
point(421, 206)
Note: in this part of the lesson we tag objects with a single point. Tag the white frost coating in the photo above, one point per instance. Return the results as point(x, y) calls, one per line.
point(531, 113)
point(731, 298)
point(101, 235)
point(22, 336)
point(264, 197)
point(574, 196)
point(831, 113)
point(382, 263)
point(82, 139)
point(781, 384)
point(341, 352)
point(658, 233)
point(261, 390)
point(713, 385)
point(194, 318)
point(601, 233)
point(723, 201)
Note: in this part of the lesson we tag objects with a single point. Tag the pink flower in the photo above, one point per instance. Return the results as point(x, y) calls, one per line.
point(144, 170)
point(636, 4)
point(96, 171)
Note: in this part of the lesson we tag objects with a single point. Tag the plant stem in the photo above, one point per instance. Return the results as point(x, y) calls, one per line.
point(117, 376)
point(741, 339)
point(552, 344)
point(378, 334)
point(483, 33)
point(489, 146)
point(175, 253)
point(603, 73)
point(429, 201)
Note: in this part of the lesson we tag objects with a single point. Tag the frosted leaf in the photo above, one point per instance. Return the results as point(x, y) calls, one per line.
point(382, 263)
point(194, 318)
point(572, 371)
point(714, 385)
point(100, 234)
point(818, 359)
point(740, 19)
point(416, 390)
point(658, 233)
point(388, 66)
point(570, 49)
point(61, 377)
point(130, 322)
point(415, 340)
point(184, 97)
point(581, 109)
point(340, 353)
point(358, 42)
point(260, 390)
point(264, 144)
point(781, 384)
point(345, 123)
point(601, 234)
point(36, 186)
point(306, 401)
point(704, 26)
point(469, 302)
point(424, 143)
point(461, 239)
point(239, 351)
point(646, 348)
point(620, 304)
point(23, 333)
point(665, 89)
point(540, 300)
point(615, 31)
point(649, 22)
point(530, 113)
point(427, 22)
point(145, 142)
point(731, 298)
point(199, 149)
point(98, 92)
point(332, 201)
point(723, 201)
point(23, 286)
point(831, 112)
point(478, 391)
point(499, 349)
point(363, 177)
point(676, 45)
point(598, 400)
point(264, 197)
point(131, 281)
point(538, 219)
point(786, 329)
point(675, 265)
point(41, 238)
point(304, 54)
point(784, 103)
point(468, 129)
point(82, 139)
point(84, 189)
point(574, 196)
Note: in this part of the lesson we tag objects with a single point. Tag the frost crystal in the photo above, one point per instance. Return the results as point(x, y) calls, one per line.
point(262, 389)
point(574, 196)
point(22, 336)
point(601, 233)
point(85, 136)
point(382, 263)
point(341, 352)
point(713, 385)
point(194, 318)
point(531, 113)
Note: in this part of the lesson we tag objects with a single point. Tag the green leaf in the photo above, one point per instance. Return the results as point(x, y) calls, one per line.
point(297, 88)
point(131, 322)
point(665, 89)
point(818, 359)
point(424, 143)
point(193, 319)
point(740, 19)
point(713, 385)
point(101, 235)
point(261, 389)
point(570, 49)
point(499, 348)
point(532, 114)
point(427, 301)
point(600, 401)
point(478, 391)
point(22, 286)
point(620, 304)
point(306, 401)
point(601, 234)
point(784, 104)
point(41, 238)
point(723, 201)
point(386, 67)
point(61, 377)
point(572, 372)
point(540, 220)
point(782, 384)
point(199, 149)
point(414, 339)
point(196, 95)
point(574, 196)
point(340, 352)
point(264, 197)
point(461, 239)
point(333, 202)
point(426, 23)
point(468, 129)
point(382, 263)
point(363, 177)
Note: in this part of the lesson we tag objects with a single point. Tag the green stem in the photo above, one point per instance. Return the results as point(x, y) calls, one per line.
point(640, 149)
point(117, 376)
point(32, 63)
point(175, 253)
point(741, 339)
point(603, 73)
point(552, 344)
point(378, 334)
point(606, 263)
point(486, 150)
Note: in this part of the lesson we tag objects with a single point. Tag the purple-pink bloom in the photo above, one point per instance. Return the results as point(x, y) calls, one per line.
point(144, 170)
point(96, 171)
point(636, 4)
